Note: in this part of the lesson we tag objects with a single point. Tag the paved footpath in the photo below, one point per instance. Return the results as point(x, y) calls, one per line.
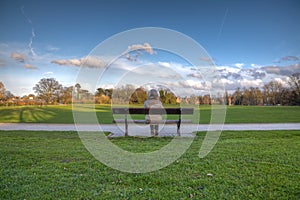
point(144, 130)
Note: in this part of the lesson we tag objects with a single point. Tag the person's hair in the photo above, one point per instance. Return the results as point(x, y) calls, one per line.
point(153, 94)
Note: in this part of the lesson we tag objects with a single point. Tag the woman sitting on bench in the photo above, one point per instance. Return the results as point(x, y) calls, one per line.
point(153, 102)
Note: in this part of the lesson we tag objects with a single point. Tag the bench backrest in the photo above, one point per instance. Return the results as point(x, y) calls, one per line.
point(154, 111)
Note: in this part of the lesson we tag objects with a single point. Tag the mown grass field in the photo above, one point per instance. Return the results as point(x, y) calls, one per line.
point(244, 165)
point(63, 114)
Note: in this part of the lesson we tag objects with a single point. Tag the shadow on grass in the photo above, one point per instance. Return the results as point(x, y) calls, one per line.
point(30, 114)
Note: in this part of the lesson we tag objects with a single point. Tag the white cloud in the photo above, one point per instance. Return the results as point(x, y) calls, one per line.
point(239, 65)
point(71, 62)
point(284, 81)
point(48, 73)
point(165, 64)
point(134, 51)
point(195, 75)
point(28, 66)
point(226, 81)
point(18, 57)
point(226, 69)
point(90, 62)
point(51, 48)
point(250, 83)
point(145, 47)
point(255, 65)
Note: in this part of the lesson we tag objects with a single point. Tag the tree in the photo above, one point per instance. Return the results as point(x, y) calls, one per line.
point(294, 83)
point(100, 92)
point(237, 97)
point(167, 97)
point(139, 96)
point(171, 98)
point(8, 95)
point(206, 99)
point(86, 96)
point(103, 96)
point(272, 92)
point(48, 89)
point(162, 94)
point(66, 94)
point(78, 87)
point(122, 94)
point(2, 91)
point(108, 92)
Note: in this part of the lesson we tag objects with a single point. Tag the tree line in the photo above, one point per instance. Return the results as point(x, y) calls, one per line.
point(272, 93)
point(50, 91)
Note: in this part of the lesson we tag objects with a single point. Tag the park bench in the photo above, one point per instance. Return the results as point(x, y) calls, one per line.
point(152, 111)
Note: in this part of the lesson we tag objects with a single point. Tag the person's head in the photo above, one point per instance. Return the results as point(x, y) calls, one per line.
point(153, 94)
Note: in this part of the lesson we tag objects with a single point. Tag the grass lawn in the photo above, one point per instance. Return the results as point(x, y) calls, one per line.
point(244, 165)
point(63, 114)
point(51, 114)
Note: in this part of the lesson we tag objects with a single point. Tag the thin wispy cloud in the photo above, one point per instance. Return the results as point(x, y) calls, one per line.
point(50, 48)
point(32, 32)
point(290, 58)
point(222, 24)
point(48, 74)
point(206, 59)
point(2, 63)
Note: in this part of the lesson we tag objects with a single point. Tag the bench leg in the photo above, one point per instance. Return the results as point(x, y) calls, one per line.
point(178, 128)
point(126, 126)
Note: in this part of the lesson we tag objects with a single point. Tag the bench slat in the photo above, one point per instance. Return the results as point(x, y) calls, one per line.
point(154, 111)
point(142, 121)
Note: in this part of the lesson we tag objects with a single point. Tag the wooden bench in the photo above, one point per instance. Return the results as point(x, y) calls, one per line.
point(152, 111)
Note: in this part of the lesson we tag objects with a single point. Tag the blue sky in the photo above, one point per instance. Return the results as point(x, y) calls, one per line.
point(251, 42)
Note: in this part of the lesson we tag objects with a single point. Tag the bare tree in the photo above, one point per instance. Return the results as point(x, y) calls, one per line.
point(123, 94)
point(66, 94)
point(48, 90)
point(272, 92)
point(237, 97)
point(294, 83)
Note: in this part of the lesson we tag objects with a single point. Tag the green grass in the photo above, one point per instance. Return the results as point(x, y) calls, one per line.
point(51, 114)
point(63, 114)
point(245, 165)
